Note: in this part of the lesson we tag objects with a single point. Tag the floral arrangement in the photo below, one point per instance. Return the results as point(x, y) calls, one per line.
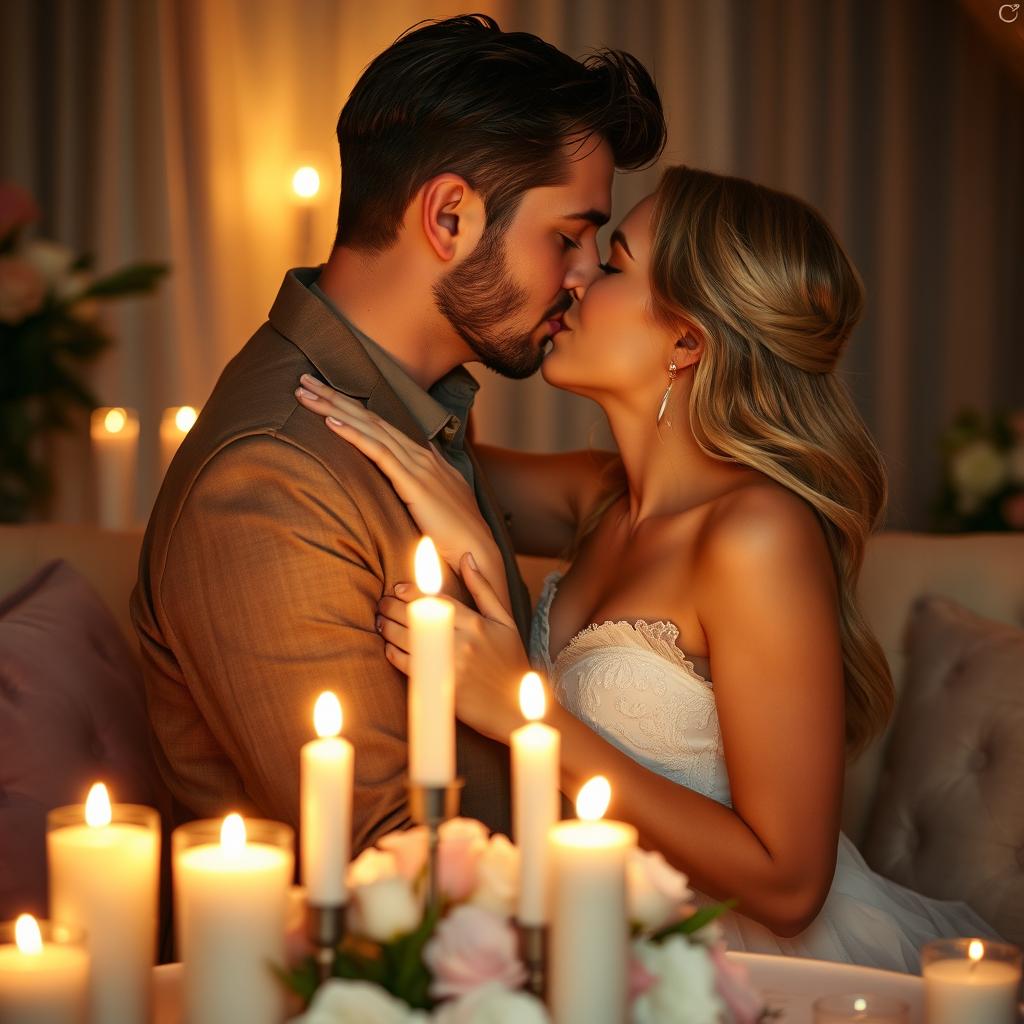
point(983, 474)
point(400, 964)
point(48, 333)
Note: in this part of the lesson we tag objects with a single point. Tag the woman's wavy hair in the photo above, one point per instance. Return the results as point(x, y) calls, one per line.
point(774, 294)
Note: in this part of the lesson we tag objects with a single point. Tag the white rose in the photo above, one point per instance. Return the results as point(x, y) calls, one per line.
point(497, 877)
point(384, 910)
point(371, 866)
point(685, 991)
point(1016, 461)
point(493, 1004)
point(51, 259)
point(655, 889)
point(356, 1002)
point(978, 469)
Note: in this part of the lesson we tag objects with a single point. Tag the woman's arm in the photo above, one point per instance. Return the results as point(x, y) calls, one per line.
point(547, 496)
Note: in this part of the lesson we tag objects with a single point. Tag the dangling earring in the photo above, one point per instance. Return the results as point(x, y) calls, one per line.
point(672, 371)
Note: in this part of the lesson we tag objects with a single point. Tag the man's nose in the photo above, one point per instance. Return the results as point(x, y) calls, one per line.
point(582, 274)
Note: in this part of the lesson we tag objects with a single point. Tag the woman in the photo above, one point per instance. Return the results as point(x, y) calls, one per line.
point(705, 645)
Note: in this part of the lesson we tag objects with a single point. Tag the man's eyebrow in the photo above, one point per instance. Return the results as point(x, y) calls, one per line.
point(618, 236)
point(596, 217)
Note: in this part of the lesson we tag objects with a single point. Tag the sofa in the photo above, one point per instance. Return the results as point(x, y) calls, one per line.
point(885, 794)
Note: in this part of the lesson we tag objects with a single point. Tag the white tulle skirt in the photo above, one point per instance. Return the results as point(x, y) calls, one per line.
point(867, 920)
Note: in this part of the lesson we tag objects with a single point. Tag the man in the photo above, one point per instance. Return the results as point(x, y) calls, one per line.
point(476, 169)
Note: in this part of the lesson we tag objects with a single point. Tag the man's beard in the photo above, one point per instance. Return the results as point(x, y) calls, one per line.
point(482, 302)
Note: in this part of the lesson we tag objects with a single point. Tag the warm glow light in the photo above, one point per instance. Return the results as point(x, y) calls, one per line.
point(860, 1005)
point(976, 950)
point(306, 182)
point(232, 835)
point(185, 418)
point(97, 806)
point(428, 567)
point(531, 697)
point(327, 715)
point(594, 799)
point(27, 935)
point(115, 421)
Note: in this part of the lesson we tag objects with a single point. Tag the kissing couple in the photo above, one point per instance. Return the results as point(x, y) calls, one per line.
point(704, 645)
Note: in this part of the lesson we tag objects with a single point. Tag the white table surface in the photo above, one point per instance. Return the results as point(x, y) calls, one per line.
point(788, 984)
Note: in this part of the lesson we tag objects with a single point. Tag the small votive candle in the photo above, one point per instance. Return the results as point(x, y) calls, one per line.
point(971, 980)
point(862, 1008)
point(231, 894)
point(44, 973)
point(175, 423)
point(114, 433)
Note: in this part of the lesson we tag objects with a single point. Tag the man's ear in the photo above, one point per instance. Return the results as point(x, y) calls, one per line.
point(453, 216)
point(689, 347)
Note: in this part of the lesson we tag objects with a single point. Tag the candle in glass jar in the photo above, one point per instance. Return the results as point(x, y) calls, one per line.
point(326, 831)
point(175, 423)
point(431, 676)
point(115, 444)
point(971, 980)
point(535, 755)
point(589, 921)
point(104, 863)
point(44, 973)
point(231, 882)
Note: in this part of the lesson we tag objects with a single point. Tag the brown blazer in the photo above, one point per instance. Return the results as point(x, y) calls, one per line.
point(270, 544)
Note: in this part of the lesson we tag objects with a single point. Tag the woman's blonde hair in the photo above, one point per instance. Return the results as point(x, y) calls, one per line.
point(761, 275)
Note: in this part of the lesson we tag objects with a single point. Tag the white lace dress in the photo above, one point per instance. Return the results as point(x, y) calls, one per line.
point(633, 686)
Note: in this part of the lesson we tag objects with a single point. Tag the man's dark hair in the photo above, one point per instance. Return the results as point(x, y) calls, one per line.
point(463, 97)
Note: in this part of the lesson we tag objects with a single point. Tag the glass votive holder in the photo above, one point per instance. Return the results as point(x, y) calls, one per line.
point(971, 980)
point(44, 973)
point(104, 877)
point(861, 1007)
point(231, 883)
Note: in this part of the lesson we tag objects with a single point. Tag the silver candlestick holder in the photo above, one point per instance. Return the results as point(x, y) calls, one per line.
point(433, 806)
point(533, 950)
point(325, 928)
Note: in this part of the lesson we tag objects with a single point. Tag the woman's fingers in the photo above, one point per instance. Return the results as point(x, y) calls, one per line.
point(394, 633)
point(397, 658)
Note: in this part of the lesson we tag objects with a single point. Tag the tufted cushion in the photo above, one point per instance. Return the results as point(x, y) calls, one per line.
point(949, 817)
point(71, 713)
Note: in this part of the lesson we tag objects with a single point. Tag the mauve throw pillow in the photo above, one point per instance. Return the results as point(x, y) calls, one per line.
point(948, 819)
point(71, 712)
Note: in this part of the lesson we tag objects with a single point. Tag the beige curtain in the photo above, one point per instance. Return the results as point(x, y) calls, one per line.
point(168, 129)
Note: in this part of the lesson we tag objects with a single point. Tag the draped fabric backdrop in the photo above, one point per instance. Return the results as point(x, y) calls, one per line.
point(168, 129)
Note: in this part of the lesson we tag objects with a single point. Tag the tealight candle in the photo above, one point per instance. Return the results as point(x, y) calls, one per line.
point(104, 865)
point(857, 1008)
point(431, 676)
point(231, 882)
point(589, 922)
point(535, 755)
point(115, 444)
point(44, 973)
point(175, 423)
point(326, 827)
point(971, 980)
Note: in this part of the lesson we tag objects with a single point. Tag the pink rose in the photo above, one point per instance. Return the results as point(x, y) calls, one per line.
point(17, 208)
point(471, 947)
point(732, 981)
point(462, 843)
point(640, 979)
point(22, 290)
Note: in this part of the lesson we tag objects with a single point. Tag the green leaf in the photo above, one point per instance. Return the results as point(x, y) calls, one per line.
point(697, 920)
point(142, 277)
point(302, 979)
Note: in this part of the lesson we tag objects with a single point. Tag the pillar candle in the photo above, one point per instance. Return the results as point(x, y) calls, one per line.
point(231, 882)
point(175, 423)
point(115, 445)
point(44, 973)
point(431, 676)
point(971, 980)
point(104, 864)
point(535, 757)
point(589, 947)
point(326, 807)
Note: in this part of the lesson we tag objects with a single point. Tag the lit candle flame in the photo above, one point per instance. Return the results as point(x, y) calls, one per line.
point(185, 418)
point(531, 697)
point(232, 835)
point(97, 806)
point(115, 421)
point(976, 950)
point(306, 182)
point(428, 567)
point(860, 1005)
point(27, 936)
point(593, 799)
point(327, 715)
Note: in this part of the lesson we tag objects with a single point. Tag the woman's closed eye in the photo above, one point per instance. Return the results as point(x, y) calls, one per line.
point(609, 269)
